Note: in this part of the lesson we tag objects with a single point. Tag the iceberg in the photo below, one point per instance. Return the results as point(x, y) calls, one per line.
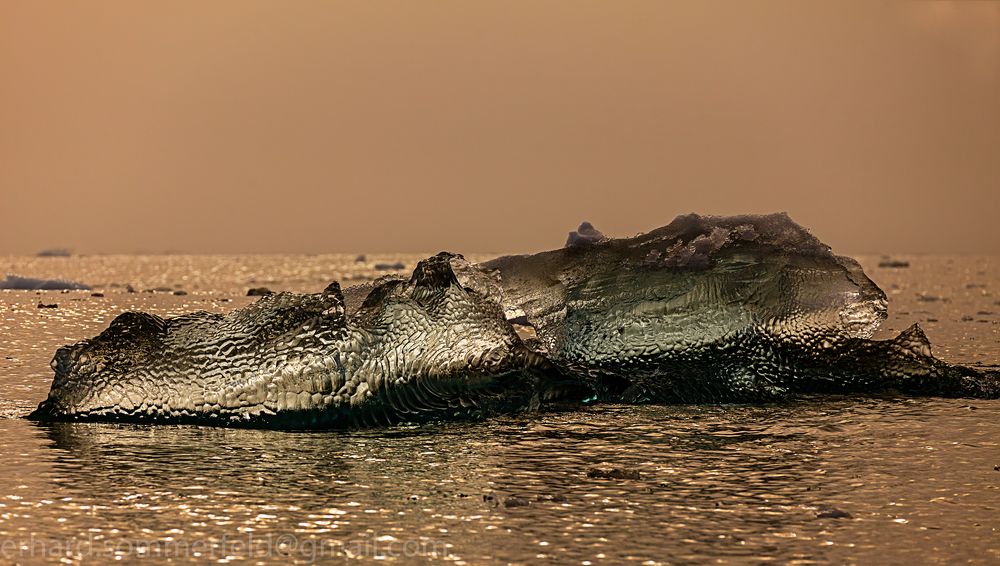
point(721, 309)
point(705, 309)
point(33, 284)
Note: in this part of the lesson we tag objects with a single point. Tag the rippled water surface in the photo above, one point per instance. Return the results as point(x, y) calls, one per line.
point(817, 480)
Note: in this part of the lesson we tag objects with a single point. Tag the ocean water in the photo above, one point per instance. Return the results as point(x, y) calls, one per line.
point(834, 479)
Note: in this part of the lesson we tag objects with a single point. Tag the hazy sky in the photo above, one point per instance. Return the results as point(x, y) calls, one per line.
point(242, 126)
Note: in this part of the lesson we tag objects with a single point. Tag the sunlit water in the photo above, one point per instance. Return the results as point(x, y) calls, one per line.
point(819, 480)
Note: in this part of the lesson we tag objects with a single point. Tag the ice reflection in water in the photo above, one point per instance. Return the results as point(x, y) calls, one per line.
point(715, 482)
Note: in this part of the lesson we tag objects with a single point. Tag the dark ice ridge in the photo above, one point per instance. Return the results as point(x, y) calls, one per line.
point(705, 309)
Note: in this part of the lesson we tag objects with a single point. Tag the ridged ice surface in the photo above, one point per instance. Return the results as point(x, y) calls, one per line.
point(691, 283)
point(415, 349)
point(741, 308)
point(705, 309)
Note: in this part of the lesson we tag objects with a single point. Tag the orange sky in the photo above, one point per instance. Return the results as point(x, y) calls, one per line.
point(307, 126)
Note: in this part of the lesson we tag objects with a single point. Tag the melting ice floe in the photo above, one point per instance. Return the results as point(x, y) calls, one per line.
point(705, 309)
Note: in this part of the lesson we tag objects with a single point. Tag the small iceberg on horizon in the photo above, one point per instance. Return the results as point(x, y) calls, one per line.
point(16, 282)
point(54, 252)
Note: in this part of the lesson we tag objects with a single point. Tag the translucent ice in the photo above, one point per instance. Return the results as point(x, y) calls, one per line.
point(705, 309)
point(740, 308)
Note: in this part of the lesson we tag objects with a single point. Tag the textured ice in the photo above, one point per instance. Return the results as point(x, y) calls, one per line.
point(705, 309)
point(415, 349)
point(740, 308)
point(34, 284)
point(694, 281)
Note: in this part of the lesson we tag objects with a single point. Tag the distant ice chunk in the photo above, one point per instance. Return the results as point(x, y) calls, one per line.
point(390, 266)
point(887, 262)
point(34, 284)
point(585, 235)
point(54, 252)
